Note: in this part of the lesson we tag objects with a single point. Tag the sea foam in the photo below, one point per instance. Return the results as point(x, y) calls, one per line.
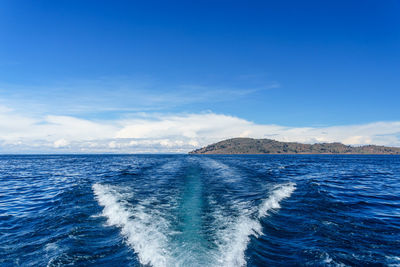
point(234, 236)
point(279, 193)
point(148, 232)
point(145, 232)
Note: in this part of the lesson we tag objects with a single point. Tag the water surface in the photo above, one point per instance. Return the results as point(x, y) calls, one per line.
point(197, 210)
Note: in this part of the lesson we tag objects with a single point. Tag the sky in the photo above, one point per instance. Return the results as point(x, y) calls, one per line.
point(172, 76)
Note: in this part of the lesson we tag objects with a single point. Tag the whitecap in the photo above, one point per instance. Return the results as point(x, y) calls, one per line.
point(152, 237)
point(144, 230)
point(393, 261)
point(235, 233)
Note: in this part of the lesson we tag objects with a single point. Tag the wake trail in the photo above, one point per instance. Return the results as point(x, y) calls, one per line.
point(144, 230)
point(235, 220)
point(160, 237)
point(234, 234)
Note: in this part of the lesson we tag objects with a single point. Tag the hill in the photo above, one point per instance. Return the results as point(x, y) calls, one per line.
point(269, 146)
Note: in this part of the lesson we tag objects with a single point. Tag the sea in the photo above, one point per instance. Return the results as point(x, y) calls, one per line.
point(199, 210)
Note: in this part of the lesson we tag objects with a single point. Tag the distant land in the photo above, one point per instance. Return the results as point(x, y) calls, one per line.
point(269, 146)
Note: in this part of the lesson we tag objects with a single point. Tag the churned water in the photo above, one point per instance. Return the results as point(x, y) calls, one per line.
point(195, 210)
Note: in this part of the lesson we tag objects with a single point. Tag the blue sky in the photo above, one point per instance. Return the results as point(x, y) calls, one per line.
point(297, 64)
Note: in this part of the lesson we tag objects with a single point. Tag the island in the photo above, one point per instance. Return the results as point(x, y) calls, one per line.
point(269, 146)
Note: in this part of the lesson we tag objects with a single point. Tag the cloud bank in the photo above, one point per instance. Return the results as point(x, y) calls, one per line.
point(180, 133)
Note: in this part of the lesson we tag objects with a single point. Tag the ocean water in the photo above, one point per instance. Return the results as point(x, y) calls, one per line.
point(197, 210)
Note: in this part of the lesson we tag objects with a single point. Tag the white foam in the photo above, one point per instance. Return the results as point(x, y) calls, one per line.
point(227, 174)
point(151, 236)
point(234, 234)
point(144, 230)
point(232, 240)
point(52, 252)
point(279, 193)
point(327, 259)
point(393, 261)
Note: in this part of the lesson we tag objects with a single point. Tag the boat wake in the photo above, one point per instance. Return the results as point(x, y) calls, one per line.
point(149, 229)
point(145, 230)
point(234, 233)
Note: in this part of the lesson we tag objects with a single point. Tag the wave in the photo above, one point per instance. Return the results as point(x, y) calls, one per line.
point(234, 235)
point(150, 234)
point(144, 231)
point(279, 193)
point(223, 171)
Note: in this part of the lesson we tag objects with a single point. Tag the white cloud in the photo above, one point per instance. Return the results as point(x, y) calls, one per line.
point(147, 133)
point(4, 109)
point(60, 143)
point(113, 144)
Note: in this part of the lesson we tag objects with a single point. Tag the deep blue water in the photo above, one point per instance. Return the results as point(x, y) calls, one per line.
point(187, 210)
